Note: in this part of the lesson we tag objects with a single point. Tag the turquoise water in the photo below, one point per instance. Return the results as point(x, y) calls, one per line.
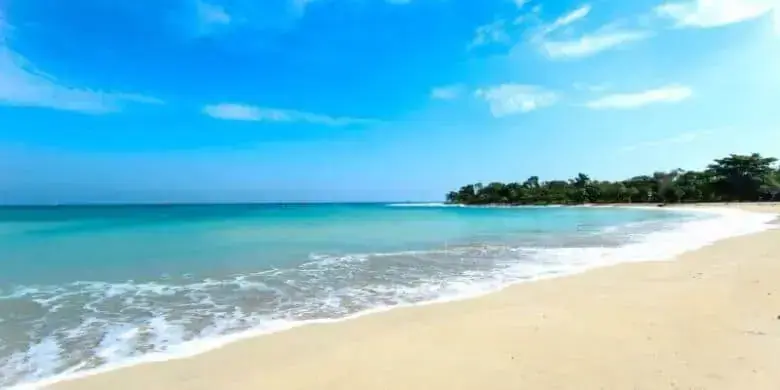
point(110, 243)
point(87, 287)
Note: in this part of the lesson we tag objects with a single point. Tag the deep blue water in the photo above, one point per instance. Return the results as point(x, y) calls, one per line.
point(82, 287)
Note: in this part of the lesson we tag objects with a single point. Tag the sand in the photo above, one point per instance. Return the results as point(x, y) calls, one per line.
point(707, 321)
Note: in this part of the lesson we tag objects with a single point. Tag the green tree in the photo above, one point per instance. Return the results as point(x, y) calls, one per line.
point(740, 177)
point(736, 177)
point(631, 193)
point(532, 182)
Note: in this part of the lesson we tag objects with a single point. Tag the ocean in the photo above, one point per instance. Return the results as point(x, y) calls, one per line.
point(91, 288)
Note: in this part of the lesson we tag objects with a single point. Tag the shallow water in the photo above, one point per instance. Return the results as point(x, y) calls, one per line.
point(88, 287)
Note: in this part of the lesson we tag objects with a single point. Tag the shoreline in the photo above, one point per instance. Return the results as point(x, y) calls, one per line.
point(85, 381)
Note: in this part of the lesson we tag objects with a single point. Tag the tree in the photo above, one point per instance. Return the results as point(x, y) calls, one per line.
point(671, 194)
point(632, 192)
point(646, 187)
point(736, 177)
point(515, 192)
point(532, 182)
point(581, 181)
point(740, 177)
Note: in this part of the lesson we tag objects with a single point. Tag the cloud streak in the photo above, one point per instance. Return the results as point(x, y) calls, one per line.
point(605, 38)
point(590, 44)
point(489, 33)
point(245, 112)
point(626, 101)
point(512, 99)
point(23, 85)
point(565, 20)
point(715, 13)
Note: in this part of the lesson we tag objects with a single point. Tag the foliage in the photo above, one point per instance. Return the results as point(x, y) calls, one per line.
point(732, 178)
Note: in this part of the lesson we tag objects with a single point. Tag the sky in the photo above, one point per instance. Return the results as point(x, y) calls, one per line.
point(372, 100)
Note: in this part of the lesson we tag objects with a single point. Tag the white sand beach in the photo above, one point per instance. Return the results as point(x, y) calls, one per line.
point(709, 320)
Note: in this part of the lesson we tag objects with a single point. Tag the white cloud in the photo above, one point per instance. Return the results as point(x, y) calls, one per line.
point(22, 84)
point(683, 138)
point(667, 94)
point(510, 99)
point(565, 20)
point(590, 44)
point(490, 33)
point(230, 111)
point(448, 92)
point(714, 13)
point(605, 38)
point(244, 112)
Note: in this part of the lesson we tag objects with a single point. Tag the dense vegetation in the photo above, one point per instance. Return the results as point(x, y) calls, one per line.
point(733, 178)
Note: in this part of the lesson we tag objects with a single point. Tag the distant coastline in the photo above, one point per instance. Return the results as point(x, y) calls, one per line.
point(735, 178)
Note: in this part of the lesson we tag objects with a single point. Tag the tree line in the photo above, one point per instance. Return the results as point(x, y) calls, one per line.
point(732, 178)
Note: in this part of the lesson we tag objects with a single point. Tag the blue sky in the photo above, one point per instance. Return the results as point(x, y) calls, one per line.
point(239, 100)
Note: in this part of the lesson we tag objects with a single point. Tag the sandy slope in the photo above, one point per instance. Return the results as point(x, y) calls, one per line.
point(708, 321)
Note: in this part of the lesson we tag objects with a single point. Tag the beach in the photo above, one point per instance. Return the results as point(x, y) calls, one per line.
point(708, 320)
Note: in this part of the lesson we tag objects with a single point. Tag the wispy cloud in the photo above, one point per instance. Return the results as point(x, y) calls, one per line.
point(714, 13)
point(565, 20)
point(521, 3)
point(604, 38)
point(448, 92)
point(530, 16)
point(245, 112)
point(511, 99)
point(590, 44)
point(490, 33)
point(667, 94)
point(683, 138)
point(22, 84)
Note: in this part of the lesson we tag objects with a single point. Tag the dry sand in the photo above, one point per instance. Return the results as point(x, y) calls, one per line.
point(708, 321)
